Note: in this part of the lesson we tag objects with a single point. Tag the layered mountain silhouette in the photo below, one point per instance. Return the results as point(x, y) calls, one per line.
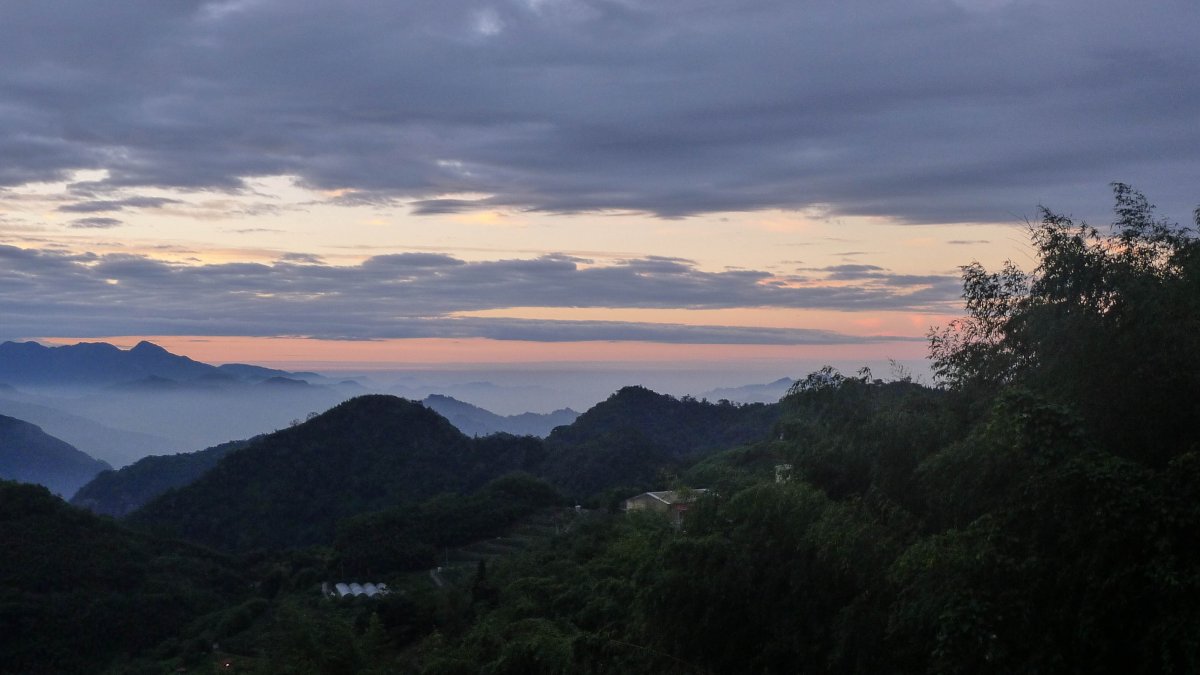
point(146, 366)
point(475, 421)
point(30, 455)
point(118, 493)
point(93, 363)
point(752, 393)
point(122, 405)
point(110, 444)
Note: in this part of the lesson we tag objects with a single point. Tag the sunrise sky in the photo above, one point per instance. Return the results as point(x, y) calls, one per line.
point(374, 184)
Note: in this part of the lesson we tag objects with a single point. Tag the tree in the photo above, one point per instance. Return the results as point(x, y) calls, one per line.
point(1108, 324)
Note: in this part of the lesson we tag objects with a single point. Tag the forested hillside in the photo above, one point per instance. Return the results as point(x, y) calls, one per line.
point(637, 439)
point(292, 487)
point(78, 592)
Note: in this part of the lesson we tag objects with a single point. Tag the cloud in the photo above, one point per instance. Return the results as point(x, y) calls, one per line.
point(94, 223)
point(419, 294)
point(307, 258)
point(928, 111)
point(117, 204)
point(432, 207)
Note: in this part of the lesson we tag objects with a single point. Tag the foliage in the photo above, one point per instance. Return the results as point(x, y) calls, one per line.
point(636, 436)
point(1108, 324)
point(76, 592)
point(407, 538)
point(291, 488)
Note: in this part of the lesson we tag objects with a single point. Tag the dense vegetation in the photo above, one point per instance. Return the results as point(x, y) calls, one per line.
point(408, 538)
point(1037, 512)
point(637, 438)
point(78, 592)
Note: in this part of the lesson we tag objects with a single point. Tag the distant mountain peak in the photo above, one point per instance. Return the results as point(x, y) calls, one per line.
point(100, 363)
point(476, 421)
point(147, 347)
point(279, 381)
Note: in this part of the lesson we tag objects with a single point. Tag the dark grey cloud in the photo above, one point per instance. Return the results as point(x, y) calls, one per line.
point(431, 207)
point(99, 205)
point(46, 292)
point(930, 110)
point(94, 223)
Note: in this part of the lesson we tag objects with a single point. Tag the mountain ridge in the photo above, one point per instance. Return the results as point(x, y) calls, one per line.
point(120, 492)
point(105, 364)
point(474, 420)
point(30, 455)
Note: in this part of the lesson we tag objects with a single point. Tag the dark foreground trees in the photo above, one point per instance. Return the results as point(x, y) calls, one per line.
point(1107, 324)
point(1037, 514)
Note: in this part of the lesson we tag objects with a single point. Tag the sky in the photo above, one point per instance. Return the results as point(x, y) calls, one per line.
point(374, 184)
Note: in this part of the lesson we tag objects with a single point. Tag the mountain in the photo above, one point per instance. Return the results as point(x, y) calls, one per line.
point(30, 455)
point(751, 393)
point(116, 446)
point(501, 399)
point(146, 366)
point(292, 487)
point(121, 424)
point(243, 371)
point(475, 421)
point(636, 435)
point(174, 403)
point(78, 591)
point(280, 381)
point(117, 493)
point(95, 363)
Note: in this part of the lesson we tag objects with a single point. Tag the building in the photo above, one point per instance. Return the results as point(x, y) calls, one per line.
point(783, 473)
point(343, 589)
point(670, 502)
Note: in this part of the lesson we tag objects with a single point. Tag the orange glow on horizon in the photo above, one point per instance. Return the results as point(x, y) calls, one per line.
point(425, 353)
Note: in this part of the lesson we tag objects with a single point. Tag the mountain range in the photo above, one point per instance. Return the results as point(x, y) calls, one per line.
point(116, 446)
point(100, 363)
